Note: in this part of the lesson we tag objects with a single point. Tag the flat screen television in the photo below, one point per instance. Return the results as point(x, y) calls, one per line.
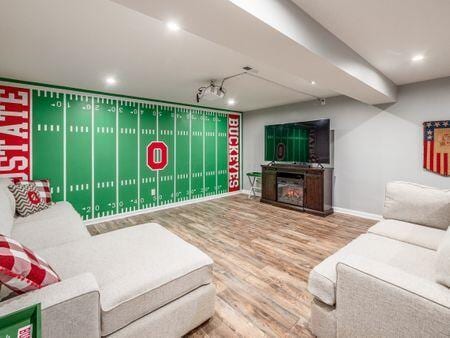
point(300, 142)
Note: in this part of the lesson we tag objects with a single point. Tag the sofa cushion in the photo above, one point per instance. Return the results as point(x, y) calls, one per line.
point(4, 183)
point(7, 207)
point(21, 269)
point(420, 235)
point(43, 186)
point(443, 261)
point(28, 199)
point(56, 210)
point(56, 225)
point(6, 215)
point(409, 258)
point(138, 270)
point(418, 204)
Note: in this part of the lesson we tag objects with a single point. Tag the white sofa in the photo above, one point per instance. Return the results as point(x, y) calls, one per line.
point(394, 280)
point(141, 281)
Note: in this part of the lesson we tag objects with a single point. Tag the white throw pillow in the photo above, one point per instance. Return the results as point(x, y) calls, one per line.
point(6, 214)
point(443, 261)
point(417, 204)
point(4, 183)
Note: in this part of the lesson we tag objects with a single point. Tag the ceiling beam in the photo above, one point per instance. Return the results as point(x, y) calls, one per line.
point(280, 35)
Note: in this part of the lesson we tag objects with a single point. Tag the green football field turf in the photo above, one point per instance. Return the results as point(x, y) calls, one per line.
point(94, 151)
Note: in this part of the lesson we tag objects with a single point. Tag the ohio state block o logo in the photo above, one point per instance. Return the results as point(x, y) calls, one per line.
point(157, 155)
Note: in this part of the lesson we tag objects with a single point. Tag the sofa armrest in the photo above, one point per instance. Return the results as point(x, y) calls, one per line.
point(378, 300)
point(70, 308)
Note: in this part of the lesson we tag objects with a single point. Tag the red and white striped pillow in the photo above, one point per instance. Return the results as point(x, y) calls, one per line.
point(21, 270)
point(43, 186)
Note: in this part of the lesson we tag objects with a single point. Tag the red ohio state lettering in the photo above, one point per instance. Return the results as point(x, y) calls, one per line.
point(233, 152)
point(157, 156)
point(14, 133)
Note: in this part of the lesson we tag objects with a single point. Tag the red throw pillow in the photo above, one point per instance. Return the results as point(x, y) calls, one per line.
point(43, 186)
point(28, 200)
point(21, 270)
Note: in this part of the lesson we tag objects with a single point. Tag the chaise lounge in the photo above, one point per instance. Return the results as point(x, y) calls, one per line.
point(120, 284)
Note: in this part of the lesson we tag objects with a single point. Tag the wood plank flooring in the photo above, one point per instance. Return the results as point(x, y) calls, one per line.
point(262, 254)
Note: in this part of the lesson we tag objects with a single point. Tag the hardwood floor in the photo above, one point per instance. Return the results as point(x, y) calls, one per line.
point(262, 254)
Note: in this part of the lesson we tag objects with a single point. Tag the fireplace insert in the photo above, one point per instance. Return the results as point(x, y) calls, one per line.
point(290, 188)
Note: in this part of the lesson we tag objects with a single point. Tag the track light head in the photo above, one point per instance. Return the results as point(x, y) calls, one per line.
point(211, 92)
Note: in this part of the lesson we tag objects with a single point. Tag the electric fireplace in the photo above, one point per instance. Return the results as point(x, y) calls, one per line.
point(290, 189)
point(298, 188)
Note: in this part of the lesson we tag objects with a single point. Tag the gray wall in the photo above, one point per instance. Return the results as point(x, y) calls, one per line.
point(372, 144)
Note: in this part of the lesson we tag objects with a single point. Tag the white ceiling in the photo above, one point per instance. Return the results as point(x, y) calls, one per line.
point(278, 34)
point(79, 43)
point(387, 33)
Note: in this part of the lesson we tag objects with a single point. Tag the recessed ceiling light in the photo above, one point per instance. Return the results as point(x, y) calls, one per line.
point(110, 81)
point(417, 58)
point(173, 26)
point(231, 102)
point(313, 82)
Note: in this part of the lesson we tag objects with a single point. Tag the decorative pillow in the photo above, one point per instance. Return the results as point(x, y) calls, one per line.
point(4, 183)
point(27, 198)
point(419, 204)
point(21, 270)
point(43, 186)
point(6, 213)
point(443, 261)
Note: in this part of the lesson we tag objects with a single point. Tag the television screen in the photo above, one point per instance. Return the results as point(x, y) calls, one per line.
point(300, 142)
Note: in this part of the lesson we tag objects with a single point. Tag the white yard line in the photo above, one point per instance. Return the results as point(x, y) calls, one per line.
point(215, 140)
point(117, 156)
point(157, 172)
point(174, 155)
point(190, 154)
point(204, 153)
point(92, 159)
point(139, 155)
point(65, 147)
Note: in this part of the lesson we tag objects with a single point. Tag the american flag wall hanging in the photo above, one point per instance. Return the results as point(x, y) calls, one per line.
point(436, 147)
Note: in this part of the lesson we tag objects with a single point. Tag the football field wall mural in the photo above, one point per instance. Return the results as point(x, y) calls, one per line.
point(109, 155)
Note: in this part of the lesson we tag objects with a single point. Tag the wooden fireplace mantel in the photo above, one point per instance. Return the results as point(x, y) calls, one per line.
point(318, 184)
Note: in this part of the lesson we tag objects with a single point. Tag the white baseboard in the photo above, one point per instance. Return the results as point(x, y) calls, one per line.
point(162, 207)
point(245, 191)
point(208, 198)
point(342, 210)
point(362, 214)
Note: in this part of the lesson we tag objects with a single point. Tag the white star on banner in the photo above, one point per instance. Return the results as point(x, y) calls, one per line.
point(445, 124)
point(437, 124)
point(429, 124)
